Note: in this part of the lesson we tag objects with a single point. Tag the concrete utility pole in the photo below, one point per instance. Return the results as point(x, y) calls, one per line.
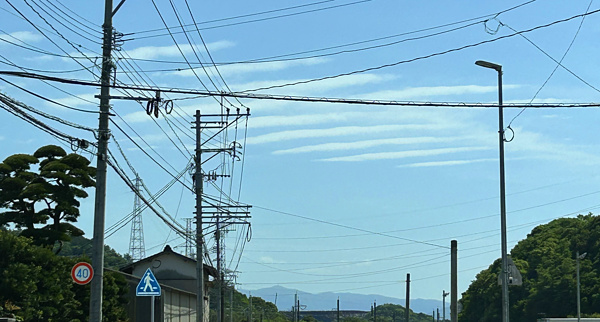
point(407, 308)
point(100, 198)
point(444, 294)
point(374, 311)
point(453, 281)
point(198, 180)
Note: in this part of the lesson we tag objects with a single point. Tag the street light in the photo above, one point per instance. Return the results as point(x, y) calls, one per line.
point(578, 286)
point(505, 304)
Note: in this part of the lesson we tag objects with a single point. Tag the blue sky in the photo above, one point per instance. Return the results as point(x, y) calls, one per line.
point(345, 197)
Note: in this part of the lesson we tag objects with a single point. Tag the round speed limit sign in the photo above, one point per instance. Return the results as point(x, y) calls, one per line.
point(82, 273)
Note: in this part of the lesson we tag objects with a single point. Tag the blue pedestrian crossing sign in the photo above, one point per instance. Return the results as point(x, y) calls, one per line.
point(148, 285)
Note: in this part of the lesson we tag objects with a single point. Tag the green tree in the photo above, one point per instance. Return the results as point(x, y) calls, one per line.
point(47, 197)
point(36, 285)
point(546, 260)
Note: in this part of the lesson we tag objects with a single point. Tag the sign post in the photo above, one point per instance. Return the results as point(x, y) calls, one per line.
point(148, 286)
point(82, 273)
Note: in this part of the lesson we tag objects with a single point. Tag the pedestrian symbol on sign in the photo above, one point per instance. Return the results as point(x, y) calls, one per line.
point(148, 285)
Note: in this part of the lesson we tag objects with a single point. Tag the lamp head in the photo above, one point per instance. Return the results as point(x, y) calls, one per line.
point(487, 64)
point(582, 256)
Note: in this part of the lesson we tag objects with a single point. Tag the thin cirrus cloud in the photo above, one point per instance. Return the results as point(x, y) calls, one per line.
point(420, 93)
point(403, 154)
point(444, 163)
point(338, 131)
point(237, 69)
point(153, 52)
point(20, 36)
point(365, 144)
point(308, 89)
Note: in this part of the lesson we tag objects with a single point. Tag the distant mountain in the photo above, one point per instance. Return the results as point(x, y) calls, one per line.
point(284, 299)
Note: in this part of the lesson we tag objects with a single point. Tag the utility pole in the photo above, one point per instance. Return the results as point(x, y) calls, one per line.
point(438, 314)
point(295, 308)
point(407, 308)
point(453, 281)
point(219, 277)
point(338, 309)
point(212, 211)
point(198, 180)
point(250, 312)
point(100, 198)
point(375, 311)
point(444, 294)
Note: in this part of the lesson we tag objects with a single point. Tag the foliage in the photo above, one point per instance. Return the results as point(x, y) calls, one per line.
point(36, 285)
point(81, 246)
point(48, 197)
point(546, 260)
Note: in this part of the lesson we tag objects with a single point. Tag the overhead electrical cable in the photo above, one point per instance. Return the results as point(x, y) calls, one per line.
point(351, 228)
point(479, 19)
point(518, 33)
point(245, 22)
point(558, 64)
point(304, 98)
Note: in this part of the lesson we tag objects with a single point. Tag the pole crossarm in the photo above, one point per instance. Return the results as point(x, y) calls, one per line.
point(311, 99)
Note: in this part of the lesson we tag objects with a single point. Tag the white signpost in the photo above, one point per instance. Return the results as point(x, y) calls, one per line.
point(148, 286)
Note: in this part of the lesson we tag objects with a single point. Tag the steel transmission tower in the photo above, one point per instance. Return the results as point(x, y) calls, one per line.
point(137, 249)
point(189, 232)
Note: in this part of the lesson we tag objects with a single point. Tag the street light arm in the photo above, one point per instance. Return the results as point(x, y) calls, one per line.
point(487, 64)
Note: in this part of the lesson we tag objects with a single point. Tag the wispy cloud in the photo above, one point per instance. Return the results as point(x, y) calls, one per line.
point(153, 52)
point(313, 89)
point(78, 100)
point(365, 144)
point(338, 131)
point(20, 37)
point(444, 163)
point(237, 69)
point(424, 93)
point(300, 120)
point(402, 154)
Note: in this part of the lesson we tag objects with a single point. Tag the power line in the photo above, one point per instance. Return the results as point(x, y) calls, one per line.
point(303, 98)
point(558, 64)
point(243, 22)
point(422, 57)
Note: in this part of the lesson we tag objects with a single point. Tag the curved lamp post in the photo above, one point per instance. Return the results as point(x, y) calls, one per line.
point(504, 277)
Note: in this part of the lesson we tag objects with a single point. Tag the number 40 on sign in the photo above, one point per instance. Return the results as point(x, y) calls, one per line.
point(82, 273)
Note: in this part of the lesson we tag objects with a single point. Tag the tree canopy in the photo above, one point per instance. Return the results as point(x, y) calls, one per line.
point(547, 261)
point(36, 285)
point(44, 202)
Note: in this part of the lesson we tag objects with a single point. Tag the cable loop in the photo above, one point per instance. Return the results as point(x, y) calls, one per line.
point(512, 136)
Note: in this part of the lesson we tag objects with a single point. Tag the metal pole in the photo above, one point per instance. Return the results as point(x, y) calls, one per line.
point(505, 301)
point(578, 289)
point(152, 308)
point(454, 281)
point(444, 294)
point(219, 279)
point(504, 273)
point(199, 238)
point(407, 308)
point(338, 309)
point(100, 198)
